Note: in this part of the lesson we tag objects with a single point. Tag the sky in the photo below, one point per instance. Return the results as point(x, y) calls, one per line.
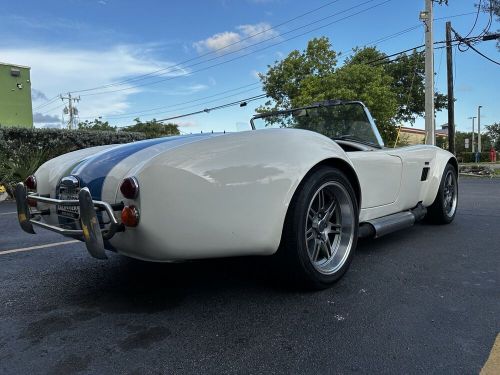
point(157, 59)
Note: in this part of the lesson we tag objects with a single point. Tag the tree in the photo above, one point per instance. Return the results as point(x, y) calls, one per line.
point(493, 132)
point(153, 128)
point(312, 75)
point(96, 124)
point(393, 91)
point(408, 80)
point(486, 142)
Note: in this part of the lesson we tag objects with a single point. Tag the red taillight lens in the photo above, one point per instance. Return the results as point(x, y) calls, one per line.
point(130, 216)
point(30, 182)
point(130, 188)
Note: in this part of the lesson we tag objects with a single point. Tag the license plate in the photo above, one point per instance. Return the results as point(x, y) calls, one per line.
point(68, 211)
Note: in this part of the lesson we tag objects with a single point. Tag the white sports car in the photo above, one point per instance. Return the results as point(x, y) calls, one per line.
point(303, 183)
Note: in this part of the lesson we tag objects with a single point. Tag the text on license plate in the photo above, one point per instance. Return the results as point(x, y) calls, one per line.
point(68, 211)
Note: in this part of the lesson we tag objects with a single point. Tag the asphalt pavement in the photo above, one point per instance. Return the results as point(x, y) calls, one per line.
point(425, 300)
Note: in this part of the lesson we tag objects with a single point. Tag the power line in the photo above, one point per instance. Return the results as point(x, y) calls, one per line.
point(52, 109)
point(260, 49)
point(235, 89)
point(182, 108)
point(482, 54)
point(475, 21)
point(46, 103)
point(50, 101)
point(182, 103)
point(464, 40)
point(404, 31)
point(140, 77)
point(207, 110)
point(179, 65)
point(211, 101)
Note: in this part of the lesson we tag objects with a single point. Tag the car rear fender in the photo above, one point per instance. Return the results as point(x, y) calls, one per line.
point(226, 195)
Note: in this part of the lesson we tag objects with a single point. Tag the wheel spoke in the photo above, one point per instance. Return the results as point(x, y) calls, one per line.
point(330, 209)
point(321, 199)
point(328, 247)
point(315, 253)
point(309, 234)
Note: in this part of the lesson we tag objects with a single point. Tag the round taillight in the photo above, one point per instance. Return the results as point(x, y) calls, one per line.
point(130, 216)
point(30, 182)
point(130, 188)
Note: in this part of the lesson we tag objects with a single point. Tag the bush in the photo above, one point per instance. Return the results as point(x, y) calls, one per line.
point(23, 150)
point(469, 157)
point(60, 141)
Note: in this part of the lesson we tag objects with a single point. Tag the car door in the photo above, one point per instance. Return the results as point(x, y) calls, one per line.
point(379, 175)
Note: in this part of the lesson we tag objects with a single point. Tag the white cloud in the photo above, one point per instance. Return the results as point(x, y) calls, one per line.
point(244, 36)
point(59, 70)
point(50, 119)
point(186, 89)
point(218, 41)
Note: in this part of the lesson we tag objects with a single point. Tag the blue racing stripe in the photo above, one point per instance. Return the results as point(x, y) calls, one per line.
point(94, 170)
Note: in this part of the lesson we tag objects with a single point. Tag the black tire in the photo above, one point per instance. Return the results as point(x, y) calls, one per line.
point(297, 253)
point(442, 210)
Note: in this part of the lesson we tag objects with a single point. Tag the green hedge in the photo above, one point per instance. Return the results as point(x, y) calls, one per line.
point(23, 150)
point(469, 157)
point(59, 141)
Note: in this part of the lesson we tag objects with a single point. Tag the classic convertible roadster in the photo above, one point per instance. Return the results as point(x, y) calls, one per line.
point(303, 183)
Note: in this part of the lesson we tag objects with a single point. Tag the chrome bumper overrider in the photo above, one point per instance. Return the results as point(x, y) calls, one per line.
point(90, 231)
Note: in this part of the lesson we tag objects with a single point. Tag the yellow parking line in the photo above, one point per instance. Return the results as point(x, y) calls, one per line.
point(492, 365)
point(37, 247)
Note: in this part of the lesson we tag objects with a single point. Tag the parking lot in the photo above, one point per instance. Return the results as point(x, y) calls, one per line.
point(425, 300)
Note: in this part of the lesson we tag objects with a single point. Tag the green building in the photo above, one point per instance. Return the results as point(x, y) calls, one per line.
point(15, 96)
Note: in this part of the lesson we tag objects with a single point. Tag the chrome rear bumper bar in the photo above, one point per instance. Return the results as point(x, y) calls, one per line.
point(90, 231)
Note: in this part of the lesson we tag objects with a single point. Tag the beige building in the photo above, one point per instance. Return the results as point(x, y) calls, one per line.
point(414, 136)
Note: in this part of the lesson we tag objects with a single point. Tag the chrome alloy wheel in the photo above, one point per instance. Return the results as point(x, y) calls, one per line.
point(450, 193)
point(329, 229)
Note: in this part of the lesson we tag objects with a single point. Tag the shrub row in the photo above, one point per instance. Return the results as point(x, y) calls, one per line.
point(23, 150)
point(469, 157)
point(59, 141)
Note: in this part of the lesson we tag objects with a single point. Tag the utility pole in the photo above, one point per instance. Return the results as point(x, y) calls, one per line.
point(473, 117)
point(479, 128)
point(451, 97)
point(427, 17)
point(70, 109)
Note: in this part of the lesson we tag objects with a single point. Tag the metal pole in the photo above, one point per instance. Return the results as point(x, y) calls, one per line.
point(430, 136)
point(473, 117)
point(451, 98)
point(70, 123)
point(479, 128)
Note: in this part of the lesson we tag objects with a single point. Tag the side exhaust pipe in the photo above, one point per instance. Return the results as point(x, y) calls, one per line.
point(391, 223)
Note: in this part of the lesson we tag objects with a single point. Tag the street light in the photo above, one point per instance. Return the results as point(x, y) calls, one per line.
point(473, 117)
point(479, 128)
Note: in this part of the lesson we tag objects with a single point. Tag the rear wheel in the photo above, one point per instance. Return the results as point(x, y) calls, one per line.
point(444, 208)
point(321, 228)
